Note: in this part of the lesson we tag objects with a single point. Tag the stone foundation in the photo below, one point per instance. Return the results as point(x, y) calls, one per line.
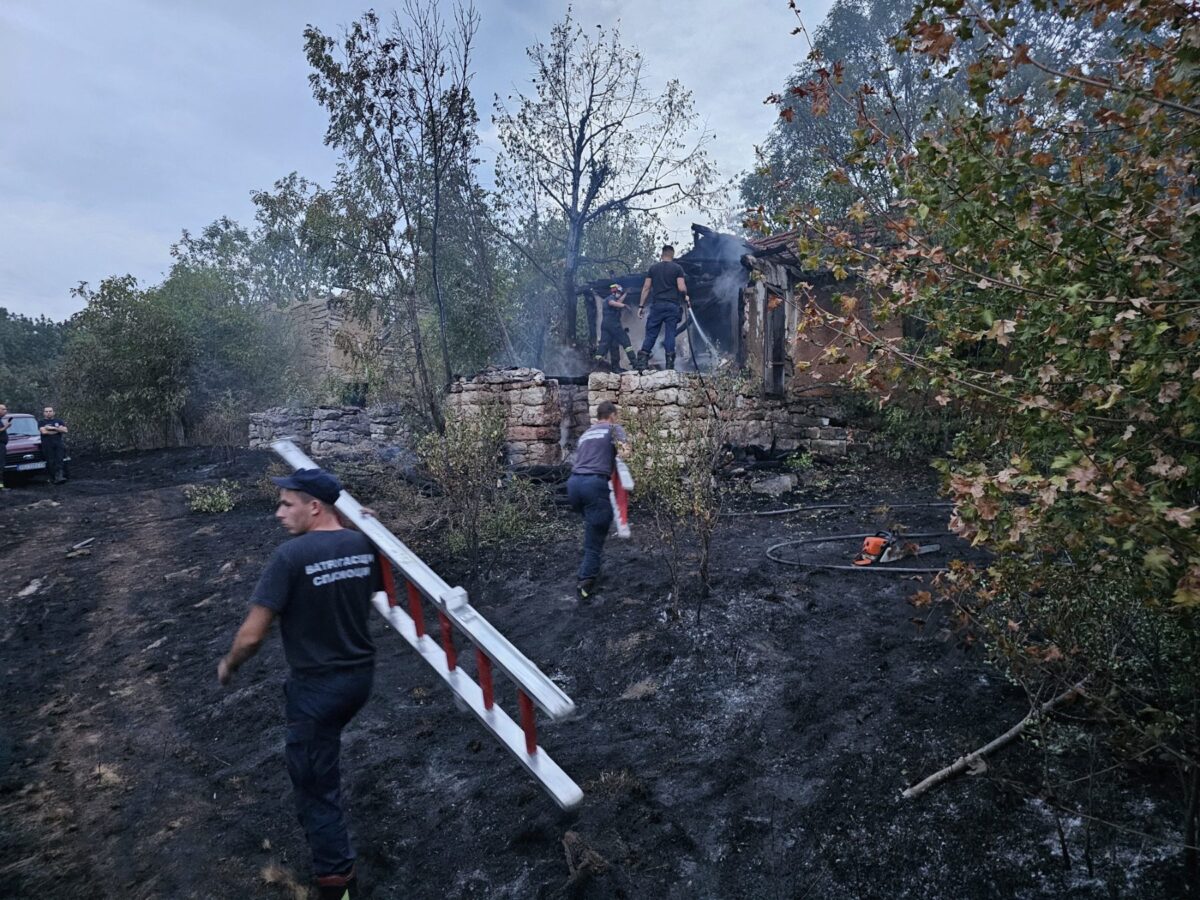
point(771, 424)
point(544, 418)
point(329, 430)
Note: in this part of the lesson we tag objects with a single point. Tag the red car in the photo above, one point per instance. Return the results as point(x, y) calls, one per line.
point(24, 456)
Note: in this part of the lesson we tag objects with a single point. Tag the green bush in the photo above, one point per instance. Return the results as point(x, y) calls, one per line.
point(483, 508)
point(211, 498)
point(674, 466)
point(917, 431)
point(800, 462)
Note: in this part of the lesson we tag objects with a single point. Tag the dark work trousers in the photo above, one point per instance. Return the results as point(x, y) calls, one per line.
point(663, 313)
point(318, 708)
point(589, 309)
point(589, 495)
point(55, 452)
point(612, 338)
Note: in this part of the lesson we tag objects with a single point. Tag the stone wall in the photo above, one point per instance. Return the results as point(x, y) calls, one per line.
point(542, 417)
point(329, 430)
point(817, 425)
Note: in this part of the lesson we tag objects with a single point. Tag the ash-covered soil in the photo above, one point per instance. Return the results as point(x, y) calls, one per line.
point(758, 753)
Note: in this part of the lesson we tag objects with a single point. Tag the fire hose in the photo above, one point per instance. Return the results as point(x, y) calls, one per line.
point(823, 506)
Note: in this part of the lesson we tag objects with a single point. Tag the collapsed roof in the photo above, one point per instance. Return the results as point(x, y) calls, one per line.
point(713, 268)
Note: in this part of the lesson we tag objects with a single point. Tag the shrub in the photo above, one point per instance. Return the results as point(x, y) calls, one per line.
point(674, 465)
point(482, 506)
point(211, 498)
point(800, 462)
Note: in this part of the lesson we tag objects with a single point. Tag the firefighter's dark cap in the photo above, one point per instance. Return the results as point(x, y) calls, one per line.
point(314, 482)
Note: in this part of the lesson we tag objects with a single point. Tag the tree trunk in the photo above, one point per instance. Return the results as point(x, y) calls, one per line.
point(431, 401)
point(437, 283)
point(570, 266)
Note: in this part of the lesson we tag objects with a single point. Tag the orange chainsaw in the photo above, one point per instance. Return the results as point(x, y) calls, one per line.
point(885, 547)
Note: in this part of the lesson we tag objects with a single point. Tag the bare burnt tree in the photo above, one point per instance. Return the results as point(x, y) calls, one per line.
point(401, 112)
point(592, 140)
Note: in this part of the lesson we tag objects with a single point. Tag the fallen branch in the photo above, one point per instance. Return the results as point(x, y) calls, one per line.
point(973, 759)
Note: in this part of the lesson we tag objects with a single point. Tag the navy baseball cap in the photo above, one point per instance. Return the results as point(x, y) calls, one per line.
point(314, 482)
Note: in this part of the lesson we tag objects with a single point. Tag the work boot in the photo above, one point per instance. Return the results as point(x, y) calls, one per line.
point(338, 887)
point(670, 366)
point(586, 588)
point(633, 360)
point(643, 361)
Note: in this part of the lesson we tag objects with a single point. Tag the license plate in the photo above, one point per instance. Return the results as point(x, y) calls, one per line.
point(25, 467)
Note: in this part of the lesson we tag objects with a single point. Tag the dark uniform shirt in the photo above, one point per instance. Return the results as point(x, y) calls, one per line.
point(596, 451)
point(56, 437)
point(612, 314)
point(320, 584)
point(663, 288)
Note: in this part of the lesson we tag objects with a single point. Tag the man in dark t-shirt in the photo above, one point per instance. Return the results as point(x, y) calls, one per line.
point(54, 445)
point(666, 291)
point(319, 585)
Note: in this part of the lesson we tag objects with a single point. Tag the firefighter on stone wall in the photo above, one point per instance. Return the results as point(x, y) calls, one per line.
point(666, 292)
point(613, 336)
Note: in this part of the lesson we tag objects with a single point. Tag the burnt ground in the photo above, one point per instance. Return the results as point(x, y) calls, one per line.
point(757, 754)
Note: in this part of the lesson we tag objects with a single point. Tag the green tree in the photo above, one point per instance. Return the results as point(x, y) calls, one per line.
point(29, 357)
point(293, 251)
point(402, 115)
point(859, 84)
point(592, 141)
point(180, 362)
point(124, 372)
point(1051, 254)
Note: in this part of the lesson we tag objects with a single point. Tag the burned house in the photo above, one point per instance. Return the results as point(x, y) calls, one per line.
point(715, 278)
point(773, 306)
point(748, 297)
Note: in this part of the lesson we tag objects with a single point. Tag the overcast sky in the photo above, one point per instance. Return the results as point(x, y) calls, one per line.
point(123, 122)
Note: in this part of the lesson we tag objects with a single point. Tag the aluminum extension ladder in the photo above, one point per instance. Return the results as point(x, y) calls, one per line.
point(492, 648)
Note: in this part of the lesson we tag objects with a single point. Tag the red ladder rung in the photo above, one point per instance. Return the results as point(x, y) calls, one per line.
point(528, 722)
point(389, 581)
point(485, 678)
point(448, 642)
point(415, 610)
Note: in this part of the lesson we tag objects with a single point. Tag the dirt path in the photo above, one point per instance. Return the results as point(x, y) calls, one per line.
point(759, 754)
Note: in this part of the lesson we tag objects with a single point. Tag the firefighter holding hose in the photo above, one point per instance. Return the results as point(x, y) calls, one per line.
point(667, 292)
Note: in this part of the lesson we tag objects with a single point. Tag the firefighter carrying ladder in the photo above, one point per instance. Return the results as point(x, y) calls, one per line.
point(492, 649)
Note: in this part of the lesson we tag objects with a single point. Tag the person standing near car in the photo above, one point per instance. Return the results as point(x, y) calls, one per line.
point(5, 421)
point(319, 585)
point(54, 445)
